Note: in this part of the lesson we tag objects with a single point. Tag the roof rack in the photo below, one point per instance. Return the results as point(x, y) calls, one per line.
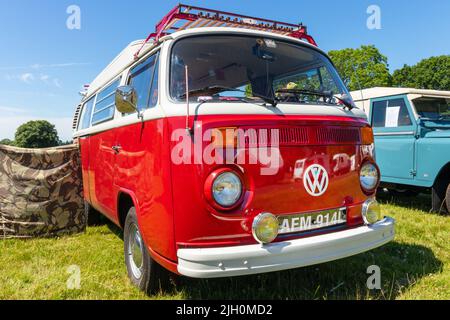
point(184, 17)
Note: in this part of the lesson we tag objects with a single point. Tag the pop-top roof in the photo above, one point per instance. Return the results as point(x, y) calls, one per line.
point(184, 17)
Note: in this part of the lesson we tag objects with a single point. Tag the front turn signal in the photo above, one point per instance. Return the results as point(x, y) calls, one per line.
point(225, 137)
point(367, 136)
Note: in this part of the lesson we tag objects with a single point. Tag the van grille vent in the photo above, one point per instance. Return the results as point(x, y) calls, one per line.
point(304, 136)
point(76, 117)
point(338, 135)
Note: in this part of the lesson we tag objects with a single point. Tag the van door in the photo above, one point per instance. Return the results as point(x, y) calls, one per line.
point(102, 153)
point(394, 129)
point(142, 167)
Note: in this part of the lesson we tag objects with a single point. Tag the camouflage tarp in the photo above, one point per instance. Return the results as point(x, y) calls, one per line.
point(40, 192)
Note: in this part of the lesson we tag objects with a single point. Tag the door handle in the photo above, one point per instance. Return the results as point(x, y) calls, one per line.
point(116, 148)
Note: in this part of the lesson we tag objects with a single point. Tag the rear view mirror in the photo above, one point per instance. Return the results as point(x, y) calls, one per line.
point(126, 99)
point(263, 54)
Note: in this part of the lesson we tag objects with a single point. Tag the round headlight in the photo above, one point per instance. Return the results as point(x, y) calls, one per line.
point(265, 228)
point(227, 189)
point(369, 177)
point(371, 211)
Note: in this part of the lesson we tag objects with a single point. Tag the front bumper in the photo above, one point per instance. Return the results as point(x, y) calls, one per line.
point(252, 259)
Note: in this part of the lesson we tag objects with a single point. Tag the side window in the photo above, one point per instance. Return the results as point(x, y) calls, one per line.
point(87, 113)
point(390, 114)
point(154, 92)
point(104, 105)
point(142, 79)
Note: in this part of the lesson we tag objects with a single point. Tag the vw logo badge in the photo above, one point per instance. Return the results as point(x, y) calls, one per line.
point(316, 180)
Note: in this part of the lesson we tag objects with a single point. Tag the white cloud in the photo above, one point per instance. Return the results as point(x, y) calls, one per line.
point(11, 110)
point(57, 83)
point(9, 124)
point(26, 77)
point(38, 66)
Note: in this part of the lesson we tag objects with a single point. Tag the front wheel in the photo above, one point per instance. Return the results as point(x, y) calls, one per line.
point(143, 271)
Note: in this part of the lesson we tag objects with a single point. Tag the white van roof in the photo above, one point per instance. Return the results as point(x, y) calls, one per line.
point(378, 92)
point(123, 59)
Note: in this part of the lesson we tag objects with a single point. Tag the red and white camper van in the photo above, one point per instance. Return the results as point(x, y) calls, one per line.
point(227, 145)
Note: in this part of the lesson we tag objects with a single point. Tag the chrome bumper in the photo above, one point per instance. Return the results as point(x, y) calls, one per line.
point(252, 259)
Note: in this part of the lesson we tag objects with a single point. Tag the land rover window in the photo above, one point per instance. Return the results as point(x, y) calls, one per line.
point(141, 79)
point(104, 105)
point(434, 109)
point(87, 114)
point(390, 114)
point(258, 66)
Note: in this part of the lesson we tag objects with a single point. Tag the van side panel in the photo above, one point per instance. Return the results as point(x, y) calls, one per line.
point(142, 167)
point(101, 173)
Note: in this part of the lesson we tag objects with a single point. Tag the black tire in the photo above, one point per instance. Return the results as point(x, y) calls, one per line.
point(447, 198)
point(438, 196)
point(151, 277)
point(93, 217)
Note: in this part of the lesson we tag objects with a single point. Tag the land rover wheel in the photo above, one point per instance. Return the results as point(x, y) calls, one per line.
point(439, 196)
point(447, 198)
point(143, 271)
point(93, 217)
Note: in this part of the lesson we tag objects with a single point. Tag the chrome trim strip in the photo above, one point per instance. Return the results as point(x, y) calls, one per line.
point(399, 133)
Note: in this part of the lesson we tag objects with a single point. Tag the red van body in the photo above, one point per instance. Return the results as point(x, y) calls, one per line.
point(127, 162)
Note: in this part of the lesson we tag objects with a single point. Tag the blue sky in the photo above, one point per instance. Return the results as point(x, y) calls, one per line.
point(43, 64)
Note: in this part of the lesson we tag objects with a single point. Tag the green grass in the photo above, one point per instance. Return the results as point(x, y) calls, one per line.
point(415, 266)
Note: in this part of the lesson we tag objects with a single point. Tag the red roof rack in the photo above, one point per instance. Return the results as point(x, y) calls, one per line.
point(184, 17)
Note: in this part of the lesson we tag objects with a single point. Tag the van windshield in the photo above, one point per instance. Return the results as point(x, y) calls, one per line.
point(247, 67)
point(433, 108)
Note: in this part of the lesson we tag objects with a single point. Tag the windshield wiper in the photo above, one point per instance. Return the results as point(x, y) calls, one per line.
point(324, 94)
point(219, 89)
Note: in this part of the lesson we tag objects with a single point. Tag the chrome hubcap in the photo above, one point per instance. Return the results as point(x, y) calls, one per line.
point(135, 251)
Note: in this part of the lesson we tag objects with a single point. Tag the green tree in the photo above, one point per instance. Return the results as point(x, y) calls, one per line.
point(37, 134)
point(364, 67)
point(66, 143)
point(7, 142)
point(431, 73)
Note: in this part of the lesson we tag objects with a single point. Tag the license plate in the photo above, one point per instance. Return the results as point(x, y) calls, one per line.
point(312, 221)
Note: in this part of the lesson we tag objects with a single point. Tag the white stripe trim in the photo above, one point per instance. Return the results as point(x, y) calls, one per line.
point(225, 108)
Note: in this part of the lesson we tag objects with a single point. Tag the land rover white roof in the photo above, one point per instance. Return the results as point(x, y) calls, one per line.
point(379, 92)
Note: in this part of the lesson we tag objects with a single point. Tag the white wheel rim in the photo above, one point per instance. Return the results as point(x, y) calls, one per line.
point(135, 251)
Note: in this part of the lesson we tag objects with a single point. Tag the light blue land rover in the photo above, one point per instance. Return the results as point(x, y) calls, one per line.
point(412, 139)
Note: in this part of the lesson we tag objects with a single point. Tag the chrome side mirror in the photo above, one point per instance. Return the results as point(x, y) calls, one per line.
point(126, 99)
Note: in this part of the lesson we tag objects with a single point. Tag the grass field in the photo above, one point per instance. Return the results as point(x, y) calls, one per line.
point(415, 266)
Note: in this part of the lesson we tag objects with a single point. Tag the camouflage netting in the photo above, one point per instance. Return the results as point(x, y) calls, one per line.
point(40, 192)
